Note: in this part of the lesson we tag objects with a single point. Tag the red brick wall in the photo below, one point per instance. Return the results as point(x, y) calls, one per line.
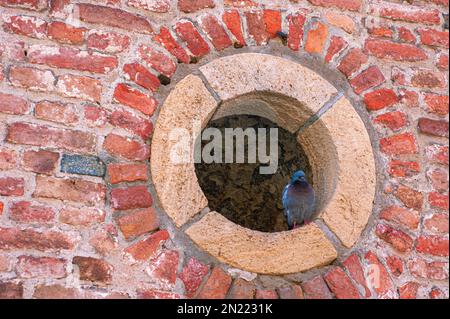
point(79, 87)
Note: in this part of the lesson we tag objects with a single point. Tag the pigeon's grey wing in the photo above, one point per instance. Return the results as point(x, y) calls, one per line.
point(285, 201)
point(310, 204)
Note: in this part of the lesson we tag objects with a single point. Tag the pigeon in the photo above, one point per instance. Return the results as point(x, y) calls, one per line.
point(299, 201)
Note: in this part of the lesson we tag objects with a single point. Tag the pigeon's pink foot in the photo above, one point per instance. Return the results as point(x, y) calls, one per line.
point(307, 222)
point(296, 226)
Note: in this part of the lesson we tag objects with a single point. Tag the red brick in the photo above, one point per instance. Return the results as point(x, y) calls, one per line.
point(420, 78)
point(296, 25)
point(141, 76)
point(135, 99)
point(399, 240)
point(410, 197)
point(13, 50)
point(42, 162)
point(257, 27)
point(189, 6)
point(36, 5)
point(27, 26)
point(367, 79)
point(11, 104)
point(164, 267)
point(378, 277)
point(18, 239)
point(215, 32)
point(95, 116)
point(159, 6)
point(400, 144)
point(433, 127)
point(32, 79)
point(153, 294)
point(266, 294)
point(41, 267)
point(316, 288)
point(59, 8)
point(272, 20)
point(340, 284)
point(92, 269)
point(411, 14)
point(337, 45)
point(74, 190)
point(317, 37)
point(438, 154)
point(5, 263)
point(401, 216)
point(192, 276)
point(291, 292)
point(242, 289)
point(114, 17)
point(157, 60)
point(438, 223)
point(406, 35)
point(138, 223)
point(354, 268)
point(56, 112)
point(380, 99)
point(131, 198)
point(240, 3)
point(146, 248)
point(26, 212)
point(80, 87)
point(432, 245)
point(10, 186)
point(352, 5)
point(103, 242)
point(233, 21)
point(9, 290)
point(57, 292)
point(352, 62)
point(442, 62)
point(132, 123)
point(166, 39)
point(409, 98)
point(394, 120)
point(409, 290)
point(109, 42)
point(217, 285)
point(40, 135)
point(8, 159)
point(381, 32)
point(120, 173)
point(439, 179)
point(429, 270)
point(437, 104)
point(433, 37)
point(81, 217)
point(194, 41)
point(437, 293)
point(65, 33)
point(384, 49)
point(437, 200)
point(395, 265)
point(127, 148)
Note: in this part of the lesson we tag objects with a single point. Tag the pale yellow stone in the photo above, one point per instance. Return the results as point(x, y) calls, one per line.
point(176, 184)
point(264, 253)
point(342, 21)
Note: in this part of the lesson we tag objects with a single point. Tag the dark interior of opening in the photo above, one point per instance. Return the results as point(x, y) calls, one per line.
point(243, 195)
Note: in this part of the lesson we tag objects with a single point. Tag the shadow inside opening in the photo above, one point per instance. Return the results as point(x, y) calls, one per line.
point(239, 191)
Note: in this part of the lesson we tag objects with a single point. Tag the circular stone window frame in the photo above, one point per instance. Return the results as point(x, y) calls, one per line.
point(222, 81)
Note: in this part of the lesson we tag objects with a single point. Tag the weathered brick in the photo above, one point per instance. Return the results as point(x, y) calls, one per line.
point(340, 284)
point(74, 190)
point(337, 45)
point(164, 267)
point(434, 38)
point(291, 292)
point(42, 162)
point(27, 212)
point(442, 61)
point(352, 5)
point(9, 290)
point(57, 292)
point(41, 267)
point(399, 240)
point(296, 25)
point(354, 268)
point(215, 32)
point(367, 79)
point(189, 6)
point(166, 39)
point(432, 245)
point(438, 223)
point(316, 39)
point(65, 33)
point(131, 198)
point(380, 99)
point(10, 186)
point(394, 120)
point(381, 31)
point(410, 14)
point(92, 269)
point(436, 103)
point(25, 25)
point(420, 268)
point(384, 49)
point(95, 116)
point(395, 265)
point(242, 289)
point(408, 290)
point(240, 3)
point(421, 78)
point(108, 42)
point(409, 98)
point(257, 27)
point(81, 217)
point(82, 165)
point(400, 144)
point(80, 87)
point(194, 41)
point(132, 123)
point(316, 288)
point(141, 76)
point(8, 159)
point(159, 6)
point(233, 21)
point(437, 293)
point(406, 35)
point(120, 173)
point(127, 148)
point(59, 8)
point(103, 242)
point(401, 216)
point(146, 248)
point(266, 294)
point(56, 112)
point(157, 60)
point(342, 21)
point(154, 294)
point(18, 239)
point(40, 135)
point(192, 276)
point(114, 17)
point(11, 104)
point(216, 286)
point(138, 223)
point(135, 99)
point(438, 200)
point(410, 197)
point(36, 5)
point(433, 127)
point(32, 79)
point(438, 154)
point(378, 277)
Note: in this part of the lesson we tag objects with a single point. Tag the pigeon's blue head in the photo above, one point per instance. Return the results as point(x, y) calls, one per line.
point(299, 176)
